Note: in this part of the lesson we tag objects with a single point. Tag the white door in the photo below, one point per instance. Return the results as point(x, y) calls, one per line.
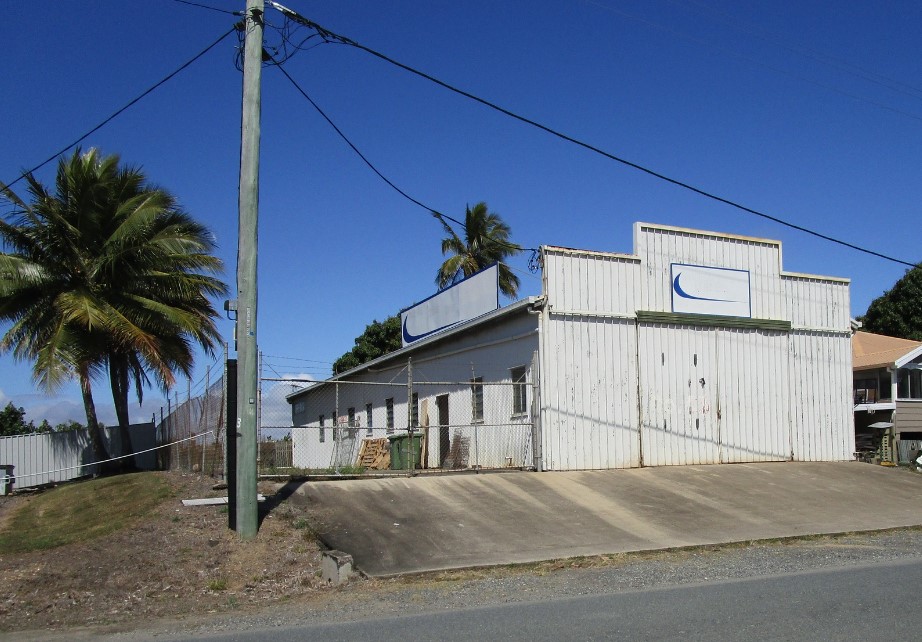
point(678, 392)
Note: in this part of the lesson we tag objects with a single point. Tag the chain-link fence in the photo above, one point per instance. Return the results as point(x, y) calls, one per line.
point(363, 426)
point(195, 429)
point(484, 421)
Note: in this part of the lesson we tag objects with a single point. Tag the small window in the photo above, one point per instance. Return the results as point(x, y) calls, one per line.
point(414, 410)
point(477, 399)
point(368, 417)
point(299, 407)
point(352, 423)
point(389, 406)
point(519, 391)
point(902, 384)
point(323, 430)
point(886, 391)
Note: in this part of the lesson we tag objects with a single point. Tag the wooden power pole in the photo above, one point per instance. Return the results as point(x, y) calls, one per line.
point(247, 363)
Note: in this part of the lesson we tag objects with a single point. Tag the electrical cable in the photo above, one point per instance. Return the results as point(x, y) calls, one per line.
point(438, 215)
point(824, 58)
point(205, 6)
point(761, 63)
point(124, 108)
point(333, 37)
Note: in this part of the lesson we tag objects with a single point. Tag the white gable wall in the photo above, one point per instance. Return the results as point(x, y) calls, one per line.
point(627, 382)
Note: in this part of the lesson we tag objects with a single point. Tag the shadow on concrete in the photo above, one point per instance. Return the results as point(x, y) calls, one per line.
point(274, 501)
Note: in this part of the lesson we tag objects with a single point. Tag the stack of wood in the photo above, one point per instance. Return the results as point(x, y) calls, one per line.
point(375, 454)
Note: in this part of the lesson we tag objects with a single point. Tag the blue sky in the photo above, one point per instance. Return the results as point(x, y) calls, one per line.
point(808, 111)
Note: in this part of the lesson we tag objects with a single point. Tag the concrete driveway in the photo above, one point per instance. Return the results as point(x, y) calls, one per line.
point(427, 523)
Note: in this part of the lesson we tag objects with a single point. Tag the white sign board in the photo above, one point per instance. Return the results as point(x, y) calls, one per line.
point(697, 289)
point(465, 300)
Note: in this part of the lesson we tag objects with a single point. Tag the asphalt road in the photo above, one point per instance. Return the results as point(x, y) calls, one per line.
point(871, 602)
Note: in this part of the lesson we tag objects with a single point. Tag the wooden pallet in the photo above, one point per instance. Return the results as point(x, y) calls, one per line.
point(374, 454)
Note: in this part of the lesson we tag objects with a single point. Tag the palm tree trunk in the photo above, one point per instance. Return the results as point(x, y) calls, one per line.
point(118, 378)
point(92, 424)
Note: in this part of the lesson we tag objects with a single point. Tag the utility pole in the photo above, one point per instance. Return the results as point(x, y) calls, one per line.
point(247, 516)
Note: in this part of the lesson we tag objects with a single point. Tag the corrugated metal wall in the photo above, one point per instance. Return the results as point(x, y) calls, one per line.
point(755, 406)
point(658, 247)
point(618, 393)
point(49, 457)
point(588, 361)
point(823, 421)
point(589, 393)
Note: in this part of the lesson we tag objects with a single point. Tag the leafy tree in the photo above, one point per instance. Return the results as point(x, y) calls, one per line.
point(378, 339)
point(486, 241)
point(13, 422)
point(898, 311)
point(106, 274)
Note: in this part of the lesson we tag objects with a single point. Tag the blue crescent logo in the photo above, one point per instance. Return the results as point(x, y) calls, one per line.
point(410, 338)
point(685, 295)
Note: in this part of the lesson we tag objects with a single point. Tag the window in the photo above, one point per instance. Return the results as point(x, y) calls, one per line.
point(885, 386)
point(368, 417)
point(414, 410)
point(323, 430)
point(335, 423)
point(902, 384)
point(299, 407)
point(352, 423)
point(389, 406)
point(477, 399)
point(519, 391)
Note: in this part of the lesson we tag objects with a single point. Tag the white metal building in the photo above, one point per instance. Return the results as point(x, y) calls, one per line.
point(698, 348)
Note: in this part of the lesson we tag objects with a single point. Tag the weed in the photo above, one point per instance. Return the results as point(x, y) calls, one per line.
point(218, 584)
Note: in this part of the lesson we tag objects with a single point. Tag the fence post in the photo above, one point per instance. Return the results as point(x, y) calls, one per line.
point(259, 413)
point(483, 410)
point(205, 415)
point(174, 449)
point(409, 440)
point(336, 437)
point(536, 445)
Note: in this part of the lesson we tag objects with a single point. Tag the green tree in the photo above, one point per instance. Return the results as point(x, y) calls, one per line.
point(486, 241)
point(13, 422)
point(105, 274)
point(898, 311)
point(378, 339)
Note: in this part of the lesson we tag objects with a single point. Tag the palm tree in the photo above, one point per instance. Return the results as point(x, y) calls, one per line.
point(486, 241)
point(105, 274)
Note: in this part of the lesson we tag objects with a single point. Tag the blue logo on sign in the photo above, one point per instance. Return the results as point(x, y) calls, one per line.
point(685, 295)
point(410, 338)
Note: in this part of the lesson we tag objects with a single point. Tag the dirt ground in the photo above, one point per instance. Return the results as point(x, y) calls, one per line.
point(177, 561)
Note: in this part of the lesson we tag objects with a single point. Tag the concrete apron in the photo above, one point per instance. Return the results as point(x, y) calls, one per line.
point(419, 524)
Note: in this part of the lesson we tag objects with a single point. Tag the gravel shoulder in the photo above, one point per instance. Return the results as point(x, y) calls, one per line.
point(361, 599)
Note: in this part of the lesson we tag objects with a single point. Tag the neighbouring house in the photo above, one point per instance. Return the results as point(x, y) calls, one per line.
point(697, 348)
point(887, 396)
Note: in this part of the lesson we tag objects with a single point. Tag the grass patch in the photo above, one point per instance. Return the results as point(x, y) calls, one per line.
point(219, 584)
point(82, 511)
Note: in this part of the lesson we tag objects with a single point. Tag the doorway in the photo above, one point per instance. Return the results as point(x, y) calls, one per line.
point(441, 403)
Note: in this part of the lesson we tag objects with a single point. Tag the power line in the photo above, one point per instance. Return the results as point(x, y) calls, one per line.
point(122, 109)
point(438, 215)
point(762, 63)
point(334, 37)
point(209, 7)
point(819, 56)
